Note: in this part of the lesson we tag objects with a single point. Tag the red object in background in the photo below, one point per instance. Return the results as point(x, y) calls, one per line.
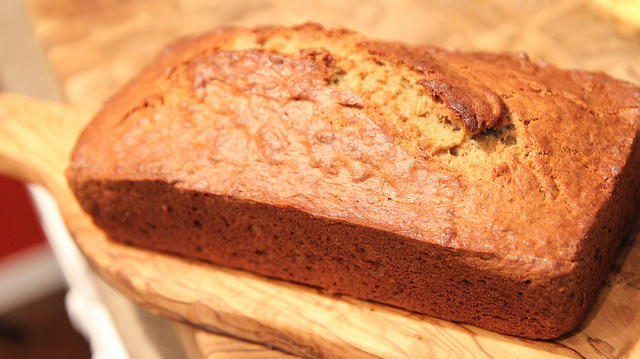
point(19, 225)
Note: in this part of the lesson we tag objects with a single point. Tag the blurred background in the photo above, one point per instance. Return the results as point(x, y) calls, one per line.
point(79, 52)
point(33, 319)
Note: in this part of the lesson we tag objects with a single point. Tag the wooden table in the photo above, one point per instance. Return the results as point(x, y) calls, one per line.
point(93, 47)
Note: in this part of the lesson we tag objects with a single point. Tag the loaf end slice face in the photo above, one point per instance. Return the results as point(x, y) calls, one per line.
point(483, 188)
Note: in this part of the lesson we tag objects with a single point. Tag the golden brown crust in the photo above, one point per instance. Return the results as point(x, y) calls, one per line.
point(511, 173)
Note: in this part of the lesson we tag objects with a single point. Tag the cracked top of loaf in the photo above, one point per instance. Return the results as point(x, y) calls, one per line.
point(496, 155)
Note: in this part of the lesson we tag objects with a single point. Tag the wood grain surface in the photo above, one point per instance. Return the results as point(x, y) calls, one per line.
point(200, 344)
point(94, 47)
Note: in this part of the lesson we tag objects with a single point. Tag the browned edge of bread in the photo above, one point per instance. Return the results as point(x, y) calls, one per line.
point(541, 296)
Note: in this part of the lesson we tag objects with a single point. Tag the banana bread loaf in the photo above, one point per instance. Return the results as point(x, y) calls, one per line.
point(483, 188)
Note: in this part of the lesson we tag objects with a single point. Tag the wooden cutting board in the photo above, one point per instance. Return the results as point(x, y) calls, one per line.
point(94, 47)
point(35, 140)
